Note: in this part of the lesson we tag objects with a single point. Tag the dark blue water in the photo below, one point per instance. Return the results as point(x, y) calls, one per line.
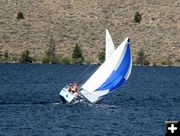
point(29, 102)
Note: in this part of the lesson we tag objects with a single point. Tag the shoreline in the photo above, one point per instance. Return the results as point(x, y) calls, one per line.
point(134, 65)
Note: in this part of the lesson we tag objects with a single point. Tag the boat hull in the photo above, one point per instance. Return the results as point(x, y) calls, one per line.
point(66, 95)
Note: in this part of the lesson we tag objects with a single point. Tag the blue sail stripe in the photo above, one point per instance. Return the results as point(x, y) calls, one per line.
point(116, 78)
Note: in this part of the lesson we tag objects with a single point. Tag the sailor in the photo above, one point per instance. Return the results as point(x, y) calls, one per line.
point(70, 87)
point(74, 88)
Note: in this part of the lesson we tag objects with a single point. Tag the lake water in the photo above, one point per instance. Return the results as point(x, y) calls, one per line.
point(30, 106)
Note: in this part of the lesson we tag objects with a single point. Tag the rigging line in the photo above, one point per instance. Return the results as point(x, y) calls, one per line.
point(84, 76)
point(81, 75)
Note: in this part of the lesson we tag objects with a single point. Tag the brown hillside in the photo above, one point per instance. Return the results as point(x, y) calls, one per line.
point(84, 22)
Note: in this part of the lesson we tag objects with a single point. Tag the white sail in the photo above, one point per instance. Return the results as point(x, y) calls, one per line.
point(109, 46)
point(110, 75)
point(95, 96)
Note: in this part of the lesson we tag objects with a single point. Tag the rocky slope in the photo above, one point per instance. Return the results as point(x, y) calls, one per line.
point(84, 22)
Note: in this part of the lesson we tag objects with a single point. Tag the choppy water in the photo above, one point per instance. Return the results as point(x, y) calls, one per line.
point(29, 102)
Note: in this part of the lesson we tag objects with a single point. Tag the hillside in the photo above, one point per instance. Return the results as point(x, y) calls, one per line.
point(84, 22)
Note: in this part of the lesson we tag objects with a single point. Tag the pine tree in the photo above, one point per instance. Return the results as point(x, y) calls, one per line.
point(20, 15)
point(137, 17)
point(77, 53)
point(77, 56)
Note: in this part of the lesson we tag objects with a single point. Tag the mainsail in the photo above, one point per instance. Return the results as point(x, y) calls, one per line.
point(109, 46)
point(113, 73)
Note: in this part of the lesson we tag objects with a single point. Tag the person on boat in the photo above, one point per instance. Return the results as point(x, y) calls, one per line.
point(69, 87)
point(75, 88)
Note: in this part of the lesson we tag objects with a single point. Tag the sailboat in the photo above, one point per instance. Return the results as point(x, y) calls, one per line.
point(113, 73)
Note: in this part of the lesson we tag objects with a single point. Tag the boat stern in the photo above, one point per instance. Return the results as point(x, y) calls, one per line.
point(66, 95)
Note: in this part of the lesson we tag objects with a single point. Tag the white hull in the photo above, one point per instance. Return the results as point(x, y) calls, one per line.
point(69, 97)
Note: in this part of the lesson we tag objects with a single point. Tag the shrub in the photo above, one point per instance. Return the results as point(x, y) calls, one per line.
point(6, 56)
point(146, 62)
point(142, 58)
point(88, 60)
point(77, 60)
point(137, 17)
point(14, 59)
point(66, 60)
point(1, 57)
point(25, 58)
point(20, 15)
point(167, 62)
point(59, 59)
point(102, 56)
point(45, 59)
